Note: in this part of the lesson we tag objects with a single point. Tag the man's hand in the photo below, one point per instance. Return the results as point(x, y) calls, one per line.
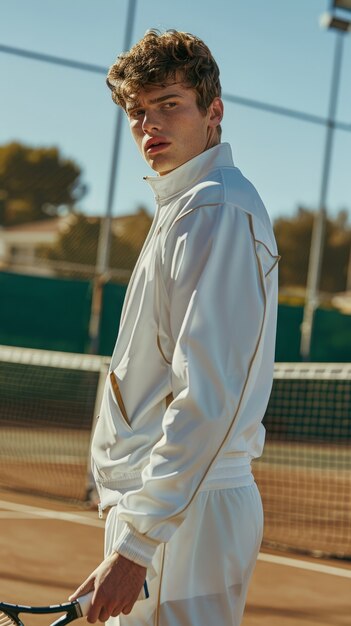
point(117, 583)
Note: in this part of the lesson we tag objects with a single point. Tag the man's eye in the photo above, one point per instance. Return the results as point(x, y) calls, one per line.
point(169, 105)
point(136, 113)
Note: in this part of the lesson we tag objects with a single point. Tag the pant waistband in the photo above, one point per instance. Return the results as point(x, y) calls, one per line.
point(228, 472)
point(231, 470)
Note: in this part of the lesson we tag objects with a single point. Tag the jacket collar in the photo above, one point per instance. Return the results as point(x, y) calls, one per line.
point(191, 172)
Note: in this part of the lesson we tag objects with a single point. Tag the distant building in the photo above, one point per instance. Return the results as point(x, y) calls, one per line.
point(20, 244)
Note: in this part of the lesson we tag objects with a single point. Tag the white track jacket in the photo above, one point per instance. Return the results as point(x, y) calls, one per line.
point(192, 368)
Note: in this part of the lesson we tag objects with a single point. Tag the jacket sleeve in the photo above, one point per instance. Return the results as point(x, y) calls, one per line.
point(212, 282)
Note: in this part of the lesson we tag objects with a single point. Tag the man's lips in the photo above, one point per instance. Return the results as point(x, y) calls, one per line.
point(156, 144)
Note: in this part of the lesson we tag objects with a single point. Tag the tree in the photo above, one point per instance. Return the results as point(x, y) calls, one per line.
point(36, 184)
point(78, 243)
point(294, 235)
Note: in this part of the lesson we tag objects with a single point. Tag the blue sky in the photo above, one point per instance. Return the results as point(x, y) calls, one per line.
point(271, 51)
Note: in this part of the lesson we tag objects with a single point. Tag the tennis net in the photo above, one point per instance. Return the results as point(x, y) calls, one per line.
point(47, 408)
point(304, 474)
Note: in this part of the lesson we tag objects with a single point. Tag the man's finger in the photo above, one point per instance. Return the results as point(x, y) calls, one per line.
point(115, 612)
point(105, 614)
point(94, 613)
point(127, 609)
point(84, 588)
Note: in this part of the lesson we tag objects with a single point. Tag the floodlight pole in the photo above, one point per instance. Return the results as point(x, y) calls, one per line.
point(104, 242)
point(317, 244)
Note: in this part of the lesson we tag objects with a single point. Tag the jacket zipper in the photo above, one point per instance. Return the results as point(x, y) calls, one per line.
point(100, 511)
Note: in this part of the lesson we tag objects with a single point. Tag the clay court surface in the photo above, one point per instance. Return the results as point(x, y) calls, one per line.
point(48, 547)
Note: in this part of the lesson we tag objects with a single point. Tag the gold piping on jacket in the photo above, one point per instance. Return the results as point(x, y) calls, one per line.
point(157, 613)
point(277, 257)
point(162, 353)
point(200, 206)
point(169, 399)
point(118, 397)
point(261, 275)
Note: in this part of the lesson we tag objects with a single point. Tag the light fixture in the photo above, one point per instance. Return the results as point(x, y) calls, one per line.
point(342, 4)
point(331, 21)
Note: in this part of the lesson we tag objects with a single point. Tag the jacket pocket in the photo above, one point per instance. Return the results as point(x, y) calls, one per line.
point(99, 475)
point(118, 397)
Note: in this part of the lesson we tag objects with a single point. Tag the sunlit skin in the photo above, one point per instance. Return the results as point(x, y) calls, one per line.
point(168, 126)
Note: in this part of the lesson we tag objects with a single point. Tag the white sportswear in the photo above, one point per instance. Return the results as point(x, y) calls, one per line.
point(192, 368)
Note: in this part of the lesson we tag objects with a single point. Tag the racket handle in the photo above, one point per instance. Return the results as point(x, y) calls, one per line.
point(85, 602)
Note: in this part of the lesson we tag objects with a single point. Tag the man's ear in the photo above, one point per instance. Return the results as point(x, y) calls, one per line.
point(216, 110)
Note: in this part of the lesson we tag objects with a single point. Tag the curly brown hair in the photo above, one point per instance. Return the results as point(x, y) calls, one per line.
point(159, 57)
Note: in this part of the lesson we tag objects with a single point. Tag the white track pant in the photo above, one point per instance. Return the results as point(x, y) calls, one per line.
point(201, 577)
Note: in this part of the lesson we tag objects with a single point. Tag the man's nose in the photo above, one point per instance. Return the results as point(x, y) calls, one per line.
point(151, 122)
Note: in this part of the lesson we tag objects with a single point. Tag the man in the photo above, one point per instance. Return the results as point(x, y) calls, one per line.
point(192, 368)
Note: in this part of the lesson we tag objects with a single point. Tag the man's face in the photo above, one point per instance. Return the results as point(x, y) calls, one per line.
point(168, 126)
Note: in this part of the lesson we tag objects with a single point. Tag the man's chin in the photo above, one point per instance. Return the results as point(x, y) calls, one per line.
point(161, 170)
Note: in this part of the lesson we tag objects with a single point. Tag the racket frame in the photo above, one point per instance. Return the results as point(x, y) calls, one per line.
point(71, 610)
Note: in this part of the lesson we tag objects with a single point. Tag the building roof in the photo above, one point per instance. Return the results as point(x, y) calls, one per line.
point(40, 226)
point(55, 224)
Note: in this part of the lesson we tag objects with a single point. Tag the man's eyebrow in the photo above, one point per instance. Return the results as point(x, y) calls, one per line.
point(137, 105)
point(166, 97)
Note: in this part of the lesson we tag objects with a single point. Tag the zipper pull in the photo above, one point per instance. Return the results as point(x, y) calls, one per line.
point(100, 511)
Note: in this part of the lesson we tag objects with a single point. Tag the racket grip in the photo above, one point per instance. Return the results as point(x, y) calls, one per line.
point(85, 602)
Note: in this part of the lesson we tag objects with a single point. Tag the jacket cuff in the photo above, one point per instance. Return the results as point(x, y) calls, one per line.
point(135, 547)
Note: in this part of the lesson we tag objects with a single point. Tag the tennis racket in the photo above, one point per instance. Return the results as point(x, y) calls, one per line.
point(9, 613)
